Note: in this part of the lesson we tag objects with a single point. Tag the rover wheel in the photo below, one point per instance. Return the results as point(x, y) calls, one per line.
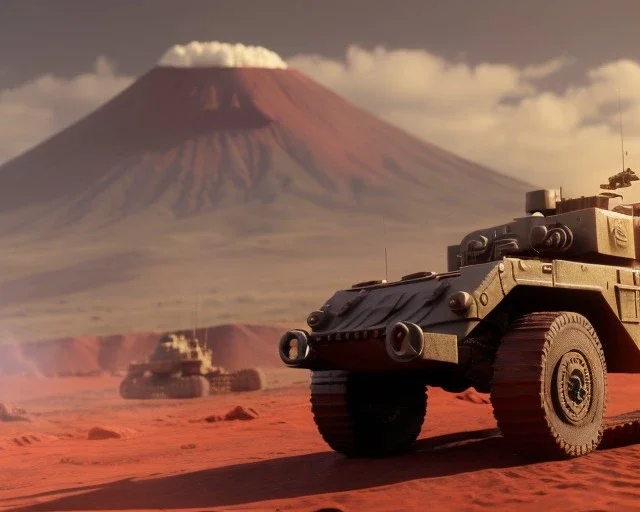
point(136, 388)
point(549, 385)
point(130, 388)
point(364, 415)
point(248, 379)
point(192, 386)
point(219, 383)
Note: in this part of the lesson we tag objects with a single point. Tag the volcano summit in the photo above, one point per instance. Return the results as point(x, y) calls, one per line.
point(187, 139)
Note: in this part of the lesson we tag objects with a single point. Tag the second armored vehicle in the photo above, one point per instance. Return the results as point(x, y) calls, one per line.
point(535, 311)
point(182, 368)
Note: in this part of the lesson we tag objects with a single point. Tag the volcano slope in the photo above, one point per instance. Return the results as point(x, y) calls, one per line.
point(257, 189)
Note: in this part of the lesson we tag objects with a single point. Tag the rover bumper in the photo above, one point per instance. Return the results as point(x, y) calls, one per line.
point(401, 345)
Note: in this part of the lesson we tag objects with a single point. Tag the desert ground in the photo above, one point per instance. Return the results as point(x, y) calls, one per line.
point(84, 448)
point(199, 271)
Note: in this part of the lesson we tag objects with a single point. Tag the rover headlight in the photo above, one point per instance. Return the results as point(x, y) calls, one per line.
point(294, 347)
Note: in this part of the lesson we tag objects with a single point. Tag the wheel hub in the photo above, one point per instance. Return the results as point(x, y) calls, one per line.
point(573, 385)
point(575, 388)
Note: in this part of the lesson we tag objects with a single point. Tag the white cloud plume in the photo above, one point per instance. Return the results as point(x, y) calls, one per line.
point(41, 107)
point(498, 114)
point(217, 54)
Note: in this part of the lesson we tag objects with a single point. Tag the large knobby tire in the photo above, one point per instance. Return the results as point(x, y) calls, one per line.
point(549, 386)
point(248, 379)
point(363, 415)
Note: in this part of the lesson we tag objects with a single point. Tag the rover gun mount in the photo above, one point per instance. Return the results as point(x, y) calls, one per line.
point(622, 179)
point(583, 228)
point(183, 368)
point(535, 311)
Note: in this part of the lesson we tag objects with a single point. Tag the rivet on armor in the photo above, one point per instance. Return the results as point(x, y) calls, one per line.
point(460, 302)
point(316, 318)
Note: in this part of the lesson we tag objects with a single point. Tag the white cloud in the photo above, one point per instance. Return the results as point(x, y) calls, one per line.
point(39, 108)
point(546, 69)
point(570, 138)
point(215, 53)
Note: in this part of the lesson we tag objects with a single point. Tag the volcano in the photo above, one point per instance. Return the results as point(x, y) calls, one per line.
point(255, 188)
point(189, 141)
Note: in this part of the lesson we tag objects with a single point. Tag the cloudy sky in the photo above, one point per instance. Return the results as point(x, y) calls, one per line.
point(528, 88)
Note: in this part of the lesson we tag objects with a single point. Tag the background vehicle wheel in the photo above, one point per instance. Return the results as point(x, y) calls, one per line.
point(132, 388)
point(219, 383)
point(365, 415)
point(191, 386)
point(248, 379)
point(549, 385)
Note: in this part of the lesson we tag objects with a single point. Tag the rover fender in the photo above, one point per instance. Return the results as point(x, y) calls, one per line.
point(609, 297)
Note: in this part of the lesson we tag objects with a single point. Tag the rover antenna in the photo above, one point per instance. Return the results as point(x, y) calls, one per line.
point(621, 131)
point(206, 331)
point(384, 240)
point(195, 321)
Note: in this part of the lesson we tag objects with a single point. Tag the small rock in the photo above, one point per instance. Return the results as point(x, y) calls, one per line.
point(97, 433)
point(471, 395)
point(213, 418)
point(69, 460)
point(241, 413)
point(26, 439)
point(189, 446)
point(12, 413)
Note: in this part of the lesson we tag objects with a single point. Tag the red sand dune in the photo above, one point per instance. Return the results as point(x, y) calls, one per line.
point(234, 346)
point(193, 140)
point(175, 460)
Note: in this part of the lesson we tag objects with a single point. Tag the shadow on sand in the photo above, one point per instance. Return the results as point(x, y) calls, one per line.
point(288, 477)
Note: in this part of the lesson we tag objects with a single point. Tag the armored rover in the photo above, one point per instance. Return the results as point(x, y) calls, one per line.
point(182, 368)
point(535, 311)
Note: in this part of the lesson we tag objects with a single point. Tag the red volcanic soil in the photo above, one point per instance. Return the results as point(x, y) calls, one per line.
point(165, 455)
point(191, 140)
point(234, 346)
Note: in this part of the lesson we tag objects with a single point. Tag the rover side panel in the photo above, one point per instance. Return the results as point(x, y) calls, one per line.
point(620, 287)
